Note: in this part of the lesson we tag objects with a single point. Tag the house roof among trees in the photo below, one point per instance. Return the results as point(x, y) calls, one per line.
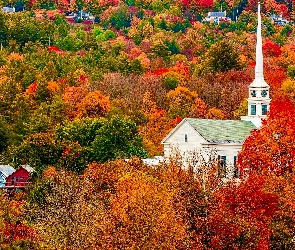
point(28, 168)
point(6, 170)
point(222, 131)
point(217, 14)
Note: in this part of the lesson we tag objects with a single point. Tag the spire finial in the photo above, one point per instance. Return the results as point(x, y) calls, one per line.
point(259, 55)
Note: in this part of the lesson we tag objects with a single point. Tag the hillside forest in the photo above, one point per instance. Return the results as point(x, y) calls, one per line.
point(78, 97)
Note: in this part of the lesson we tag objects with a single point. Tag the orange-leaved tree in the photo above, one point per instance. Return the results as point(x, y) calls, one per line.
point(215, 113)
point(182, 102)
point(157, 126)
point(72, 97)
point(275, 76)
point(272, 147)
point(284, 217)
point(144, 211)
point(66, 212)
point(243, 215)
point(270, 153)
point(94, 104)
point(15, 233)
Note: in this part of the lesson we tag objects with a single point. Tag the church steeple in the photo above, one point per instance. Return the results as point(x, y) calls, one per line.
point(259, 55)
point(258, 101)
point(259, 78)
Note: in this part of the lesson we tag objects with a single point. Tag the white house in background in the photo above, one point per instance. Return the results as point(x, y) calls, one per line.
point(225, 137)
point(216, 17)
point(278, 19)
point(5, 170)
point(8, 9)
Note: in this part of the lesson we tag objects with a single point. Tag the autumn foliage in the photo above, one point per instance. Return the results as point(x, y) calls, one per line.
point(134, 205)
point(274, 141)
point(14, 230)
point(81, 99)
point(94, 104)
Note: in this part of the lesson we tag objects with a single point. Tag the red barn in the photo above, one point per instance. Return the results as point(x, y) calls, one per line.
point(20, 178)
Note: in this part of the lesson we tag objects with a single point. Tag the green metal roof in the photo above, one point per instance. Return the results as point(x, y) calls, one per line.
point(222, 131)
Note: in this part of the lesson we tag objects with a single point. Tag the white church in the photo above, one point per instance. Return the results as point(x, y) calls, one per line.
point(225, 137)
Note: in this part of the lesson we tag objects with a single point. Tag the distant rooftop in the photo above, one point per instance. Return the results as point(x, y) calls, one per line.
point(6, 170)
point(28, 168)
point(8, 9)
point(217, 14)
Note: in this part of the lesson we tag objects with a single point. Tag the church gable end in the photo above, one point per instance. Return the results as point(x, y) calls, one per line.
point(184, 137)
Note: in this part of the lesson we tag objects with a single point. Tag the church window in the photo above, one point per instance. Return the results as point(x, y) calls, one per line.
point(222, 168)
point(253, 109)
point(253, 93)
point(185, 137)
point(223, 161)
point(264, 109)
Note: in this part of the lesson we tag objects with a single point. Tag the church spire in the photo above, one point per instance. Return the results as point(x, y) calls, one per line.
point(259, 78)
point(258, 101)
point(259, 55)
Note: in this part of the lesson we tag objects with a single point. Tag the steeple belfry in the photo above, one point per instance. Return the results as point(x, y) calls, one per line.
point(258, 101)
